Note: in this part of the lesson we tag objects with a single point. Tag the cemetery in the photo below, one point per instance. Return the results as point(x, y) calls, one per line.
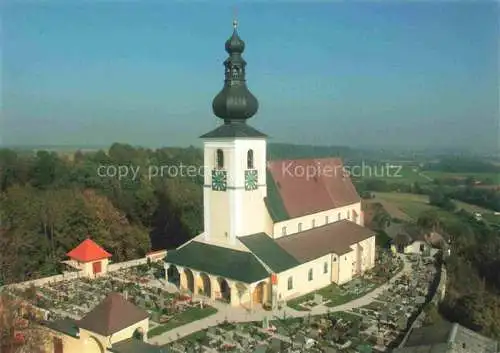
point(371, 328)
point(386, 267)
point(333, 332)
point(74, 298)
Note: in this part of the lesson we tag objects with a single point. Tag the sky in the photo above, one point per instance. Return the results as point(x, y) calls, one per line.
point(381, 74)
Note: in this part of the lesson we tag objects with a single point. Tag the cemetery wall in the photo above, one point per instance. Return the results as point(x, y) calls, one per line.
point(73, 275)
point(127, 264)
point(435, 296)
point(42, 281)
point(156, 255)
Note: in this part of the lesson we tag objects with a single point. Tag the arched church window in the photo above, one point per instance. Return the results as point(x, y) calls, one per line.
point(310, 275)
point(325, 267)
point(299, 227)
point(290, 283)
point(250, 159)
point(220, 159)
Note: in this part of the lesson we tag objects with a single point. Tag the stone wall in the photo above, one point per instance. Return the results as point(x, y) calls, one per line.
point(435, 298)
point(52, 279)
point(153, 256)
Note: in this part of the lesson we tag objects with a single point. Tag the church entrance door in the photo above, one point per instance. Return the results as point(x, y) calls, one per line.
point(96, 267)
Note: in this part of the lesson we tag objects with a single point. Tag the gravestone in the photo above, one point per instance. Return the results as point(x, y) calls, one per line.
point(260, 349)
point(420, 300)
point(212, 332)
point(265, 323)
point(245, 343)
point(276, 345)
point(229, 336)
point(156, 316)
point(318, 299)
point(141, 302)
point(384, 315)
point(281, 331)
point(402, 323)
point(300, 339)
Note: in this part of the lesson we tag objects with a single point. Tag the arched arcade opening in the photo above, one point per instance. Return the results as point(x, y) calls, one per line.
point(173, 275)
point(224, 290)
point(189, 283)
point(204, 285)
point(259, 293)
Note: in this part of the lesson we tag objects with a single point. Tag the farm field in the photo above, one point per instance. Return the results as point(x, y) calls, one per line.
point(401, 204)
point(490, 178)
point(413, 205)
point(391, 172)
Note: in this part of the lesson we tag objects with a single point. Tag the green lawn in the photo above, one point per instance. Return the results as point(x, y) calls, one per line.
point(332, 292)
point(187, 316)
point(337, 295)
point(411, 204)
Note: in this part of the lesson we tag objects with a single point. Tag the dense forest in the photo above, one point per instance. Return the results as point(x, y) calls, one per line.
point(49, 203)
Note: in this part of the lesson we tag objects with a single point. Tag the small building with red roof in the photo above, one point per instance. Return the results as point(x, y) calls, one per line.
point(90, 258)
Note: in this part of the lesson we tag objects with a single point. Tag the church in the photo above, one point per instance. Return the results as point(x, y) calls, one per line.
point(273, 230)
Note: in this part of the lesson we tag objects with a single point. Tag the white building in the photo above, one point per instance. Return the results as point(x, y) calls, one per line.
point(272, 230)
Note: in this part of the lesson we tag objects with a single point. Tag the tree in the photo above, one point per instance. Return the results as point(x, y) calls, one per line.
point(429, 221)
point(381, 220)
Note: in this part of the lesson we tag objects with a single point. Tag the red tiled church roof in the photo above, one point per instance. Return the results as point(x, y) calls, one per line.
point(87, 251)
point(324, 187)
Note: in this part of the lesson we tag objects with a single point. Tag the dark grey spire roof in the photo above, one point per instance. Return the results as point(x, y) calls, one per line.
point(235, 103)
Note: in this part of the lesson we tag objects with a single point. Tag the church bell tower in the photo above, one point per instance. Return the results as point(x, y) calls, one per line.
point(234, 157)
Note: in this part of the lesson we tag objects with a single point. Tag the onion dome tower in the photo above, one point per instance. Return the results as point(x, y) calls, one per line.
point(234, 104)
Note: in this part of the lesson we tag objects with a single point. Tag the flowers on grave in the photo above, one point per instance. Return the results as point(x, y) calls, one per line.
point(183, 298)
point(228, 346)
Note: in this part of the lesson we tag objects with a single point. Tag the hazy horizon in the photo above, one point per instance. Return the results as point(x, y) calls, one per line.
point(416, 75)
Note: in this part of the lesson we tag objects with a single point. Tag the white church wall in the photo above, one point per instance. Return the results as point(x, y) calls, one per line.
point(245, 209)
point(345, 262)
point(300, 278)
point(317, 220)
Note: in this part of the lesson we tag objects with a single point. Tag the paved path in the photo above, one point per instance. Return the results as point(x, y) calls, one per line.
point(241, 315)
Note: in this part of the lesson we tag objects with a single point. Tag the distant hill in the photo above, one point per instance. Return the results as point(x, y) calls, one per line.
point(277, 151)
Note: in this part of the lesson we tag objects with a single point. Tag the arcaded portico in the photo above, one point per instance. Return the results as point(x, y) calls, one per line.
point(216, 287)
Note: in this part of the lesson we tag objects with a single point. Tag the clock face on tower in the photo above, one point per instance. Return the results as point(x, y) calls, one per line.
point(251, 179)
point(219, 180)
